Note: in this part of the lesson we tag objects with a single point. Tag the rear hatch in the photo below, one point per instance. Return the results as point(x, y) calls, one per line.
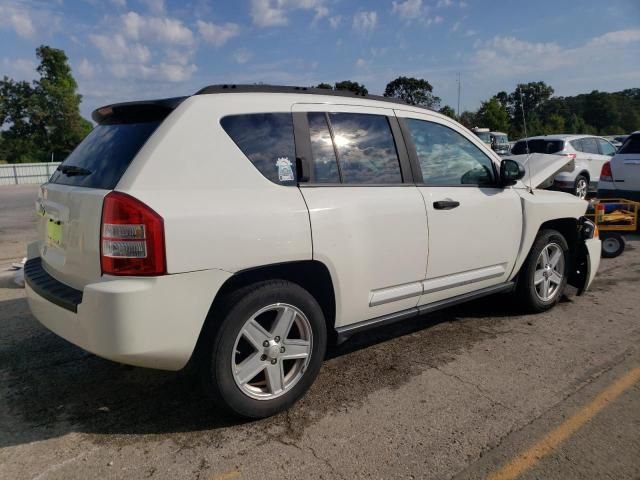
point(70, 204)
point(625, 165)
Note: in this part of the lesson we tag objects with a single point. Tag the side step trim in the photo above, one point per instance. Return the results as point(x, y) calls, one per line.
point(348, 330)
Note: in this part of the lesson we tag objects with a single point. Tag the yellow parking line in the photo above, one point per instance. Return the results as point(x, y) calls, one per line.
point(227, 475)
point(532, 455)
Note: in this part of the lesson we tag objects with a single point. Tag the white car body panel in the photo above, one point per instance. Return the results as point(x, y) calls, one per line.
point(385, 247)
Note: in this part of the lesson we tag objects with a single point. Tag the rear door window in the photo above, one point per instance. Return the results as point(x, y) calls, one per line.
point(366, 148)
point(325, 164)
point(267, 141)
point(101, 159)
point(577, 145)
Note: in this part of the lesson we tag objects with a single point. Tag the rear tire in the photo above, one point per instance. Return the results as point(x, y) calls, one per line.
point(267, 351)
point(543, 276)
point(612, 244)
point(581, 187)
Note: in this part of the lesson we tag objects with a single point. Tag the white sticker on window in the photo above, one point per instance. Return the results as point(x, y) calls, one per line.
point(285, 172)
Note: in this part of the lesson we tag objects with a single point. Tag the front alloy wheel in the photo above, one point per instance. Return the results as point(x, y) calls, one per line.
point(544, 274)
point(549, 272)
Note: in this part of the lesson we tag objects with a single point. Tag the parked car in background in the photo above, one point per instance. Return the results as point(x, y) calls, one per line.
point(499, 143)
point(240, 229)
point(620, 177)
point(590, 154)
point(483, 134)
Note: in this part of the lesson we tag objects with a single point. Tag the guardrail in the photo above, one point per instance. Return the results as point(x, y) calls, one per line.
point(21, 173)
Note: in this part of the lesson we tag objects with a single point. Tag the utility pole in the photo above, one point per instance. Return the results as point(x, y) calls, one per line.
point(458, 94)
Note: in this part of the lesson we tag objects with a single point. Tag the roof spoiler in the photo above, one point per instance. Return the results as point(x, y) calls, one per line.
point(136, 112)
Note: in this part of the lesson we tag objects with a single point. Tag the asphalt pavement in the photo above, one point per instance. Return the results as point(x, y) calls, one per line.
point(476, 391)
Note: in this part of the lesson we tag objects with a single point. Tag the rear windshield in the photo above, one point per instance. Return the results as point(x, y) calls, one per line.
point(537, 146)
point(104, 155)
point(631, 145)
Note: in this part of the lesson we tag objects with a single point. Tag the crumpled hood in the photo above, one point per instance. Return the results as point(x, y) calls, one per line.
point(540, 168)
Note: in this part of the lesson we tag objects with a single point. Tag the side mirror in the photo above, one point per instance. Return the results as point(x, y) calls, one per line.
point(510, 172)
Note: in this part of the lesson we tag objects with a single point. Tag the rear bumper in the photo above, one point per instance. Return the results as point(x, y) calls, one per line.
point(150, 322)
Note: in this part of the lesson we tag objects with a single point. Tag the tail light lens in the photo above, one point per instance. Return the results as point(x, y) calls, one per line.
point(132, 237)
point(606, 175)
point(572, 156)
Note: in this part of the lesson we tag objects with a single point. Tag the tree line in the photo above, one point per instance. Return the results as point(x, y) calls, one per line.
point(41, 121)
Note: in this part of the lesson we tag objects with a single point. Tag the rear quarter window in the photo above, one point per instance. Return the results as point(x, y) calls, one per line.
point(266, 139)
point(104, 155)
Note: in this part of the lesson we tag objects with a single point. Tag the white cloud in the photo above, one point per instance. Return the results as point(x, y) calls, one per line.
point(242, 55)
point(158, 29)
point(361, 63)
point(619, 37)
point(455, 27)
point(470, 33)
point(117, 48)
point(17, 18)
point(438, 19)
point(217, 35)
point(119, 3)
point(19, 68)
point(408, 9)
point(365, 22)
point(273, 13)
point(163, 72)
point(86, 69)
point(335, 21)
point(155, 6)
point(444, 3)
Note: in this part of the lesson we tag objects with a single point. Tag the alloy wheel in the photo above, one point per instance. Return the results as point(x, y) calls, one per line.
point(272, 351)
point(549, 272)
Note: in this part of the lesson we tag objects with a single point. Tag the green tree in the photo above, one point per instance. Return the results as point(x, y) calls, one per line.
point(448, 111)
point(326, 86)
point(354, 87)
point(493, 115)
point(468, 119)
point(414, 91)
point(42, 118)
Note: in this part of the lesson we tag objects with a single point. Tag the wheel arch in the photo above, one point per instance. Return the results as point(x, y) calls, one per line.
point(311, 275)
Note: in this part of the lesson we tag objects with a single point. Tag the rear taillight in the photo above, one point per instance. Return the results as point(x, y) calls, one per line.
point(132, 237)
point(572, 156)
point(605, 174)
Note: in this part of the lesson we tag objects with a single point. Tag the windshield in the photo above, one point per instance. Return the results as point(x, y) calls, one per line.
point(631, 145)
point(501, 139)
point(484, 136)
point(104, 155)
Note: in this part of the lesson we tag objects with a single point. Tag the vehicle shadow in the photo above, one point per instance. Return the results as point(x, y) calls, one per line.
point(49, 387)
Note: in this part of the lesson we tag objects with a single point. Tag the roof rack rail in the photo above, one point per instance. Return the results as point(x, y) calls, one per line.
point(233, 88)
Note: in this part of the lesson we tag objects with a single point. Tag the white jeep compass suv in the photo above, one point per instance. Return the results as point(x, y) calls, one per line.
point(242, 228)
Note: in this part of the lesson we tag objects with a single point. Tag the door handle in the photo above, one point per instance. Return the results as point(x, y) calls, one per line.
point(445, 204)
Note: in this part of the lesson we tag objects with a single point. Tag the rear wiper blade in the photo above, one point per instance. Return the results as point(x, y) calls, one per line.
point(71, 170)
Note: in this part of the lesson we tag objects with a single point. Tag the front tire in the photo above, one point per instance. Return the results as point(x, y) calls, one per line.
point(267, 351)
point(544, 274)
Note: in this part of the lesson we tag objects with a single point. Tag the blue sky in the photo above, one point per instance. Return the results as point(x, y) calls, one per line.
point(133, 49)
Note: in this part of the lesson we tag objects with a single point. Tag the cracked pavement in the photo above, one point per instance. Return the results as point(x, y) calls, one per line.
point(451, 395)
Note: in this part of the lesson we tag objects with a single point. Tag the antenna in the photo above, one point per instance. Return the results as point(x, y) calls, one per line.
point(526, 138)
point(458, 94)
